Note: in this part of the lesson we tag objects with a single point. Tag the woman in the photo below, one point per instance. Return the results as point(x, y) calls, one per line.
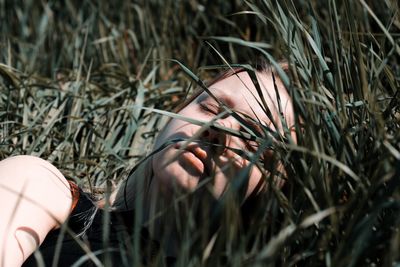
point(42, 206)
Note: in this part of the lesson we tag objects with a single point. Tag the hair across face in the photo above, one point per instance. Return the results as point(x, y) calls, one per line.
point(210, 156)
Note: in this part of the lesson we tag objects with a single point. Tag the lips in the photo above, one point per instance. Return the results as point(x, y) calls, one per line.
point(194, 157)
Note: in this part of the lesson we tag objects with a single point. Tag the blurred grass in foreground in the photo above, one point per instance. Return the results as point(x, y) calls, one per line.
point(74, 75)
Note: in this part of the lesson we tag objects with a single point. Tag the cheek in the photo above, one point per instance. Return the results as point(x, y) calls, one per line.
point(280, 179)
point(231, 170)
point(258, 183)
point(255, 181)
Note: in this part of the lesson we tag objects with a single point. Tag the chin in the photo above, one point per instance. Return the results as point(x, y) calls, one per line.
point(180, 179)
point(176, 175)
point(174, 179)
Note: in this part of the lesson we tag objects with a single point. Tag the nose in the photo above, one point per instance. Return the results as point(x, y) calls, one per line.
point(218, 137)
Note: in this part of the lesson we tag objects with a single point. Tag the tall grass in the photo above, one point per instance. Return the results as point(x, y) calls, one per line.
point(75, 74)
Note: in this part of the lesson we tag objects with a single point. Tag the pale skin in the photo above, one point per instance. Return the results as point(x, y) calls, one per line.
point(36, 199)
point(39, 199)
point(197, 160)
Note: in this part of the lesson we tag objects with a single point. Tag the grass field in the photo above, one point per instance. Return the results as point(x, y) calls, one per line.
point(81, 83)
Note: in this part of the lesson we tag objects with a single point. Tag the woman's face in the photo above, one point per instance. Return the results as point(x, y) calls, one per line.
point(183, 165)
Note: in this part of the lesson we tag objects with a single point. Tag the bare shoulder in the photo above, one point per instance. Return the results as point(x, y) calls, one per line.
point(38, 200)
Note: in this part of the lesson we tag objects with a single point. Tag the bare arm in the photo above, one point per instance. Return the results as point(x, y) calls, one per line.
point(35, 198)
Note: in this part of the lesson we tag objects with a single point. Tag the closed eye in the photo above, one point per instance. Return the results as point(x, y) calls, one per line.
point(210, 108)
